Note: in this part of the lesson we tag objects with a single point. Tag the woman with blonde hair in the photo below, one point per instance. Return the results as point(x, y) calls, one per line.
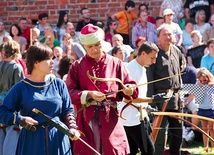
point(200, 18)
point(197, 50)
point(206, 108)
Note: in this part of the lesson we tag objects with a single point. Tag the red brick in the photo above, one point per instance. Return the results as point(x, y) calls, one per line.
point(93, 6)
point(82, 1)
point(61, 1)
point(53, 12)
point(3, 3)
point(19, 3)
point(49, 7)
point(41, 3)
point(12, 8)
point(156, 3)
point(12, 18)
point(51, 2)
point(24, 14)
point(101, 1)
point(31, 8)
point(63, 7)
point(72, 1)
point(10, 3)
point(102, 5)
point(115, 5)
point(99, 10)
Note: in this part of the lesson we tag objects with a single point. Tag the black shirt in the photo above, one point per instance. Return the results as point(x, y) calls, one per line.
point(82, 23)
point(167, 66)
point(196, 5)
point(196, 54)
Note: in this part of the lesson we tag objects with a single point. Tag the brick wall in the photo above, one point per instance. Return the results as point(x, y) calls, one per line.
point(11, 10)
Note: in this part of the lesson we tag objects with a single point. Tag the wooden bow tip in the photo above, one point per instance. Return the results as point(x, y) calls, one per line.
point(122, 116)
point(105, 79)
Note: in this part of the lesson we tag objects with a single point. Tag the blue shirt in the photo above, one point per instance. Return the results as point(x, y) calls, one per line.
point(207, 62)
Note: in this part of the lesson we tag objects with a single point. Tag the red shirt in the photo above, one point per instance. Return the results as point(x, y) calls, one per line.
point(112, 133)
point(23, 64)
point(26, 35)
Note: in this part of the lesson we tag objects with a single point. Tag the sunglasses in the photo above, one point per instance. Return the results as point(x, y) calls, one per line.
point(114, 24)
point(204, 80)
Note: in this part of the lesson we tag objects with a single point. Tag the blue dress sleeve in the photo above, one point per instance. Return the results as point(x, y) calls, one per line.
point(67, 106)
point(11, 106)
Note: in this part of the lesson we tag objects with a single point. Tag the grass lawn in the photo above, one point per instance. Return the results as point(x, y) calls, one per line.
point(195, 148)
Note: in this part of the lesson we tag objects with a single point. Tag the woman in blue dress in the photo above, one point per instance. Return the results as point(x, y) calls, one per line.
point(41, 90)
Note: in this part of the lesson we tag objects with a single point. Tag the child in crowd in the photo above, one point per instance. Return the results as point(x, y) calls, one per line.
point(42, 21)
point(35, 34)
point(118, 52)
point(125, 20)
point(207, 60)
point(64, 65)
point(58, 52)
point(110, 30)
point(206, 108)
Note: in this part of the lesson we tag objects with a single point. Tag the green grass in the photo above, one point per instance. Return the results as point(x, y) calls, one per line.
point(195, 148)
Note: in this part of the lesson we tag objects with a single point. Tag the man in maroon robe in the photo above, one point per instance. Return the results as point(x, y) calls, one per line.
point(99, 118)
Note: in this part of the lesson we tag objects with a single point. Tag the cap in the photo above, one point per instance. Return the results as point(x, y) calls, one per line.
point(91, 34)
point(168, 12)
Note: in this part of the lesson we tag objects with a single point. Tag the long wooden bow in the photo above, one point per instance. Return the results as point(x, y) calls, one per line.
point(177, 116)
point(182, 114)
point(123, 85)
point(111, 80)
point(105, 79)
point(196, 127)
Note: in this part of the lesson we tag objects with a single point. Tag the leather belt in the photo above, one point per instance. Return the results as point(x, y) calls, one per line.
point(2, 126)
point(104, 103)
point(165, 91)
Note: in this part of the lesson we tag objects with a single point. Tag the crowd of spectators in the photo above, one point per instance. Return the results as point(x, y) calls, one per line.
point(191, 22)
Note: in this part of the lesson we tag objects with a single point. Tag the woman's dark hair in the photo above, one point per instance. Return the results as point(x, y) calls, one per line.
point(109, 22)
point(42, 15)
point(129, 3)
point(100, 24)
point(115, 50)
point(37, 54)
point(158, 17)
point(146, 5)
point(64, 65)
point(61, 18)
point(190, 20)
point(211, 41)
point(19, 30)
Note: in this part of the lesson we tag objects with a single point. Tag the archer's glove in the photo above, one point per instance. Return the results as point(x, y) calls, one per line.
point(160, 97)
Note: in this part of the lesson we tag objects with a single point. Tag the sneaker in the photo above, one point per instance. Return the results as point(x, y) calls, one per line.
point(190, 136)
